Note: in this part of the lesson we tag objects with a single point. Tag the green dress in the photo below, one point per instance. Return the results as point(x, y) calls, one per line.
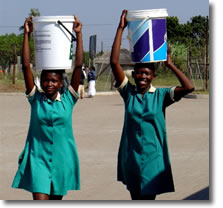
point(49, 163)
point(143, 158)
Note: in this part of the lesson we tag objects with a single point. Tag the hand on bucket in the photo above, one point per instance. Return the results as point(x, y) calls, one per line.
point(123, 21)
point(77, 25)
point(28, 25)
point(169, 61)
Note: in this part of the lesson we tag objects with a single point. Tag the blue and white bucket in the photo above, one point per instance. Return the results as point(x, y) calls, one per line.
point(147, 35)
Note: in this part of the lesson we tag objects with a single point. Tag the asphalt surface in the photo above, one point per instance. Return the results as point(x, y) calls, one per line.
point(97, 126)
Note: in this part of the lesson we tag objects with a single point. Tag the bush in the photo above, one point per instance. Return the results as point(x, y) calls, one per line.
point(179, 55)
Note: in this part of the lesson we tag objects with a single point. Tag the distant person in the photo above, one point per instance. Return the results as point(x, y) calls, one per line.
point(91, 82)
point(81, 85)
point(37, 83)
point(48, 166)
point(143, 158)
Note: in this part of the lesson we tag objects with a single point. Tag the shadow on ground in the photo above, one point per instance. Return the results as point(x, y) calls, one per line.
point(200, 195)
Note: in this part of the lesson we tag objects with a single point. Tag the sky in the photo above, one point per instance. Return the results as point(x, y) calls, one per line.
point(99, 17)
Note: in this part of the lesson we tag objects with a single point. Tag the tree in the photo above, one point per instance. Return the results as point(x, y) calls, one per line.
point(173, 28)
point(198, 25)
point(191, 33)
point(86, 58)
point(33, 12)
point(183, 37)
point(11, 45)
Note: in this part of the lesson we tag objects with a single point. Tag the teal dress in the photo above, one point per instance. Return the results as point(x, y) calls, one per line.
point(49, 163)
point(143, 158)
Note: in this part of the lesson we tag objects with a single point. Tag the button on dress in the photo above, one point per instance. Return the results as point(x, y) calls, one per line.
point(143, 158)
point(49, 163)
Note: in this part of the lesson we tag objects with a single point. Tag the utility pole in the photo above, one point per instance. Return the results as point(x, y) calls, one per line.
point(206, 54)
point(92, 49)
point(14, 66)
point(102, 50)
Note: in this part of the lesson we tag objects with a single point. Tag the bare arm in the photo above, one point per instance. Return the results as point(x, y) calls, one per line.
point(27, 72)
point(75, 80)
point(115, 53)
point(186, 85)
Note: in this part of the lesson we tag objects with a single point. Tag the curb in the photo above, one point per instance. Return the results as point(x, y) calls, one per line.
point(189, 96)
point(196, 96)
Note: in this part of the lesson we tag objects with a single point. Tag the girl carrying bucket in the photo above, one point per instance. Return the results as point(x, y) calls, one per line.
point(143, 158)
point(49, 164)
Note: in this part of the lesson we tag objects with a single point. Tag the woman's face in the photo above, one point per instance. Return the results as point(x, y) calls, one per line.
point(143, 78)
point(51, 82)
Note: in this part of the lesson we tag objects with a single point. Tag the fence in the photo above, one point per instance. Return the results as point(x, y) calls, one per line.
point(198, 71)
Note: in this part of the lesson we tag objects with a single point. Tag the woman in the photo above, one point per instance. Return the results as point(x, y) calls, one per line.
point(49, 165)
point(143, 159)
point(91, 82)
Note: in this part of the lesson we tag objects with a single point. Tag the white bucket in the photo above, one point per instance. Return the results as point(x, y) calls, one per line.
point(147, 35)
point(53, 46)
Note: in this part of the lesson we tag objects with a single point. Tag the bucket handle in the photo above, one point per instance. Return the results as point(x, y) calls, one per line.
point(72, 35)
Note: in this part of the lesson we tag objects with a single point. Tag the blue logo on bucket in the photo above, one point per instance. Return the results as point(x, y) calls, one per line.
point(148, 40)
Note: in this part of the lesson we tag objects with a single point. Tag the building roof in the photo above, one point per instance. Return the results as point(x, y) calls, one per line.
point(125, 58)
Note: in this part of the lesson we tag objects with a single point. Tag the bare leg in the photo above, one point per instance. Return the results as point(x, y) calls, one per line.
point(40, 196)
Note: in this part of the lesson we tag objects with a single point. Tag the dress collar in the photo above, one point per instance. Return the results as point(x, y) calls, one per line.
point(58, 98)
point(151, 89)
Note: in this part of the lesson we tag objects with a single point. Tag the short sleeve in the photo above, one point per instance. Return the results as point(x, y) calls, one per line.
point(169, 96)
point(71, 95)
point(172, 93)
point(32, 95)
point(125, 89)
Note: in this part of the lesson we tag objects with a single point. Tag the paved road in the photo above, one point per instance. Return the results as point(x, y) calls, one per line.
point(97, 124)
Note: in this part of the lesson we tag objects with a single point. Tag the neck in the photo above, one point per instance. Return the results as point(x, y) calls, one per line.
point(144, 90)
point(51, 97)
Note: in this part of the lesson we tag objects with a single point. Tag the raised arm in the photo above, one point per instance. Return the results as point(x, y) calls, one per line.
point(115, 53)
point(75, 80)
point(27, 72)
point(186, 85)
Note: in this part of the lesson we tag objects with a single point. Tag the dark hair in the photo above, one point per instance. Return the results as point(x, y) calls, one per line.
point(60, 72)
point(92, 68)
point(150, 66)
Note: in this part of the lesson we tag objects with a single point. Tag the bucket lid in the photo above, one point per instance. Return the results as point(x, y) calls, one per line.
point(53, 19)
point(149, 13)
